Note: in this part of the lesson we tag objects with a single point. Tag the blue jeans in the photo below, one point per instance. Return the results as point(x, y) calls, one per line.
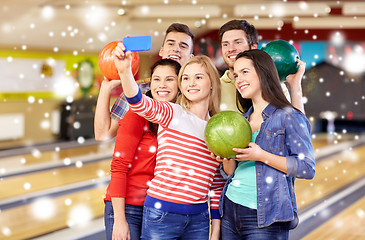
point(240, 222)
point(161, 225)
point(133, 215)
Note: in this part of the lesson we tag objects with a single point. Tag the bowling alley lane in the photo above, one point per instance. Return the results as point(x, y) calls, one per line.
point(41, 186)
point(332, 173)
point(60, 155)
point(323, 141)
point(349, 225)
point(46, 214)
point(30, 183)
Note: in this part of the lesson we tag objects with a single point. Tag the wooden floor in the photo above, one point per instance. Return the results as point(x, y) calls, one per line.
point(47, 215)
point(332, 174)
point(349, 225)
point(33, 182)
point(68, 169)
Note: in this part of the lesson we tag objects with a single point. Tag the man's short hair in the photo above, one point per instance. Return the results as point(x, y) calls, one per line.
point(249, 29)
point(179, 27)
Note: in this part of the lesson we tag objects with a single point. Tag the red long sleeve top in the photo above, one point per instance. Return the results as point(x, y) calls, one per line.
point(133, 161)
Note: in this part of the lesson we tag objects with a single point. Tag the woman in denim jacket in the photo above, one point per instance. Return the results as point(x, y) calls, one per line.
point(258, 201)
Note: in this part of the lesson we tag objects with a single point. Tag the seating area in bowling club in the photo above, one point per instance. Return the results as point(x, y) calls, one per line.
point(54, 173)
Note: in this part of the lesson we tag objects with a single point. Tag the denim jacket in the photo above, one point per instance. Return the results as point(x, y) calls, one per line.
point(284, 132)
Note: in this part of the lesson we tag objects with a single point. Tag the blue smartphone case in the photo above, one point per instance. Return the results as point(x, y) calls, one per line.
point(138, 43)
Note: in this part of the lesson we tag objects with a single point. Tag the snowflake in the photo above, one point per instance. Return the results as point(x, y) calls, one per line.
point(269, 180)
point(43, 208)
point(78, 164)
point(80, 140)
point(27, 186)
point(36, 153)
point(360, 213)
point(158, 205)
point(67, 161)
point(6, 231)
point(68, 201)
point(236, 183)
point(152, 149)
point(211, 193)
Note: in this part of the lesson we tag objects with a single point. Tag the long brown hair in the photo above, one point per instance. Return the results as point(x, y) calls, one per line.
point(215, 96)
point(269, 78)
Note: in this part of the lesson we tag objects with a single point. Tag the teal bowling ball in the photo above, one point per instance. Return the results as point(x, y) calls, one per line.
point(284, 56)
point(227, 130)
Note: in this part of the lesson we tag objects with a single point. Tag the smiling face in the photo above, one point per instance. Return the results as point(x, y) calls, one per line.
point(246, 78)
point(233, 42)
point(164, 83)
point(195, 83)
point(177, 46)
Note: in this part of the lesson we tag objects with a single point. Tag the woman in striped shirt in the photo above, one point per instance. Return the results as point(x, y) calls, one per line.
point(134, 159)
point(186, 177)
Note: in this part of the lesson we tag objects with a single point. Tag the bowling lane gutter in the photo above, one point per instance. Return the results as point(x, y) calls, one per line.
point(321, 211)
point(53, 192)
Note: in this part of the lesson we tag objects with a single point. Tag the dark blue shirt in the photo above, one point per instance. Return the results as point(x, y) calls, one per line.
point(284, 132)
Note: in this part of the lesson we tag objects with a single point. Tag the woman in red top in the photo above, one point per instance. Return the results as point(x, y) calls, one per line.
point(134, 159)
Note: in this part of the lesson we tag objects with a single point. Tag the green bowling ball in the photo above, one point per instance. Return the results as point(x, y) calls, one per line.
point(226, 130)
point(284, 55)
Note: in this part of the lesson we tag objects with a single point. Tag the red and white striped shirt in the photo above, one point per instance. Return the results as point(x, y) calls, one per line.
point(185, 173)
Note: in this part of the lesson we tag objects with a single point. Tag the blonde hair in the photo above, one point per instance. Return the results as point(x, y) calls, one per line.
point(215, 96)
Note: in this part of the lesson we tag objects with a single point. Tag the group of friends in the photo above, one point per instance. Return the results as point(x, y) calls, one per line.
point(165, 183)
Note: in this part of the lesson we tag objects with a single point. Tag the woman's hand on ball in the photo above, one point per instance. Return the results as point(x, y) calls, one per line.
point(110, 84)
point(229, 165)
point(252, 153)
point(218, 158)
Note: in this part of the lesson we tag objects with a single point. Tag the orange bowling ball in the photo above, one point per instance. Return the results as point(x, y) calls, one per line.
point(106, 62)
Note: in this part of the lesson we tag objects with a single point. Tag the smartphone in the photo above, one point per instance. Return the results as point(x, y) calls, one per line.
point(138, 43)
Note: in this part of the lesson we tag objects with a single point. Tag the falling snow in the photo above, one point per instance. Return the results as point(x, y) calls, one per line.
point(343, 162)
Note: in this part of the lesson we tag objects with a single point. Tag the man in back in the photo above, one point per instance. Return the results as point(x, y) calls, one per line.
point(237, 36)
